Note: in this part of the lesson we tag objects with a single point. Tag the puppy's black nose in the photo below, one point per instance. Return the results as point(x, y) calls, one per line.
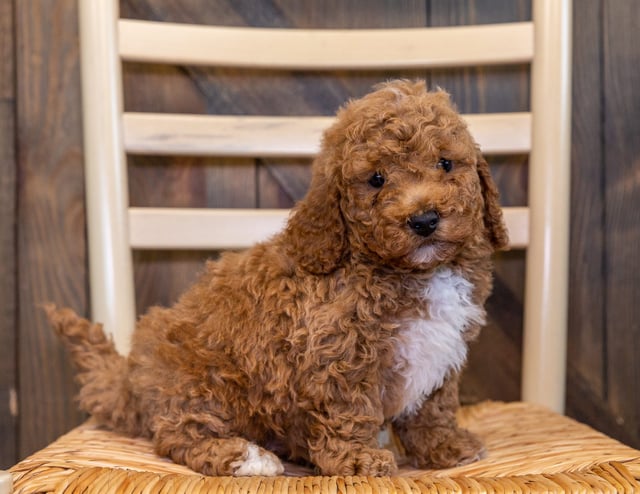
point(425, 224)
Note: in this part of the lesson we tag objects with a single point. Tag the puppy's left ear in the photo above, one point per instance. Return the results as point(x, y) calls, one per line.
point(493, 220)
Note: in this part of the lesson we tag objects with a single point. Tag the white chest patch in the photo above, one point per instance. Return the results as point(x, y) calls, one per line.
point(427, 349)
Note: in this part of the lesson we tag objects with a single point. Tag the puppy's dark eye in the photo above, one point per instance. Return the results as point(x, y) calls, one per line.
point(376, 180)
point(445, 164)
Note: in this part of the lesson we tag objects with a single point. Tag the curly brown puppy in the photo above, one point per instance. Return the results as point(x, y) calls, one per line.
point(356, 315)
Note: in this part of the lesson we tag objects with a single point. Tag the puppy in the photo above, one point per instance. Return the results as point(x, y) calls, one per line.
point(356, 315)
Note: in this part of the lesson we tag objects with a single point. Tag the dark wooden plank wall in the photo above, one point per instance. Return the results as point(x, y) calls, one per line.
point(586, 354)
point(8, 269)
point(50, 238)
point(40, 76)
point(621, 179)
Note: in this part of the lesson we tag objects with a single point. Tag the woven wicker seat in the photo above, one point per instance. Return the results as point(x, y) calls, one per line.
point(529, 447)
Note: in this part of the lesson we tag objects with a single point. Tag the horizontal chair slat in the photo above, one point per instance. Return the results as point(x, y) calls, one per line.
point(501, 133)
point(174, 228)
point(185, 44)
point(517, 221)
point(183, 228)
point(253, 136)
point(223, 135)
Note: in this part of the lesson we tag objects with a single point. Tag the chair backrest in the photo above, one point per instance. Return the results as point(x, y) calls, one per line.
point(110, 133)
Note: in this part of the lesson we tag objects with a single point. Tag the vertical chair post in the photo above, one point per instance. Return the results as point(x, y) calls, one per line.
point(110, 262)
point(546, 289)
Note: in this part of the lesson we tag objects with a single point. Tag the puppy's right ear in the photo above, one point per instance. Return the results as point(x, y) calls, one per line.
point(493, 219)
point(315, 233)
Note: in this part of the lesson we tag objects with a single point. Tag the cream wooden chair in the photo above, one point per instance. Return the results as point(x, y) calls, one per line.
point(532, 447)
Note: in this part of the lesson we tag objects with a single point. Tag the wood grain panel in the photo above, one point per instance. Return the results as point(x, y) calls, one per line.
point(283, 182)
point(585, 349)
point(8, 267)
point(493, 370)
point(621, 86)
point(51, 242)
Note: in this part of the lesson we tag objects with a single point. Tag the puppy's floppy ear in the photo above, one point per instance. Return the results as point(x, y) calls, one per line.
point(316, 231)
point(493, 220)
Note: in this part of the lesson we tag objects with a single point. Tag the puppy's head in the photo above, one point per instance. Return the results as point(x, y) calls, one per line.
point(399, 181)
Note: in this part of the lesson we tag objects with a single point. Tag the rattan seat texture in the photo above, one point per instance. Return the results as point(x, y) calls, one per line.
point(529, 449)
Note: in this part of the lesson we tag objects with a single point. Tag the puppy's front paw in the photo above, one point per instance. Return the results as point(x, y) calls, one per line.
point(471, 449)
point(355, 460)
point(455, 447)
point(374, 462)
point(257, 461)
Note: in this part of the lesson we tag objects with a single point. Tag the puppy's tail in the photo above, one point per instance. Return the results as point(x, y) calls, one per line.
point(101, 370)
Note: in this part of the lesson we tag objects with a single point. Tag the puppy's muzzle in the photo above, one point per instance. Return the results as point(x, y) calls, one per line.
point(424, 224)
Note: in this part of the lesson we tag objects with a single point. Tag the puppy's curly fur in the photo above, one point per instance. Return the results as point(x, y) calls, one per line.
point(356, 315)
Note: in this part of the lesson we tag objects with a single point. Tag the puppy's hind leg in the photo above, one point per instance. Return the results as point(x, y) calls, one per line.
point(211, 455)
